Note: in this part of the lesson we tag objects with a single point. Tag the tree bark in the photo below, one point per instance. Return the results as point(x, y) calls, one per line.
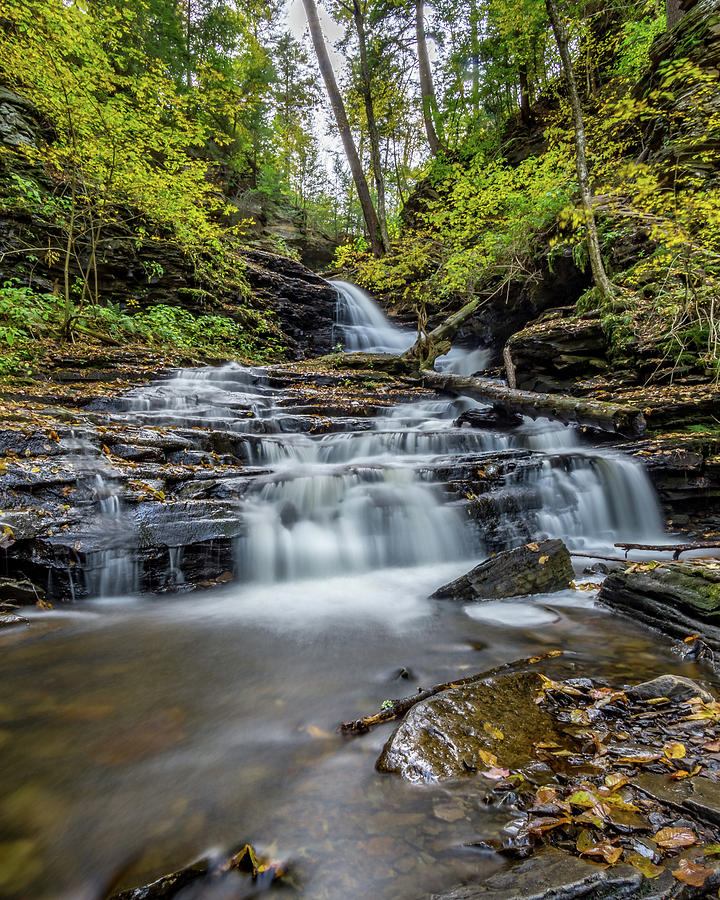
point(427, 91)
point(372, 126)
point(326, 69)
point(525, 110)
point(602, 282)
point(611, 417)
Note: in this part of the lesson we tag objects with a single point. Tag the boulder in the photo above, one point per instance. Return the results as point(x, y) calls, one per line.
point(469, 729)
point(674, 687)
point(537, 568)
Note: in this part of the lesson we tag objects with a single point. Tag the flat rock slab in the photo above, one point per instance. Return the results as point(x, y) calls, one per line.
point(537, 568)
point(697, 797)
point(551, 874)
point(461, 730)
point(676, 598)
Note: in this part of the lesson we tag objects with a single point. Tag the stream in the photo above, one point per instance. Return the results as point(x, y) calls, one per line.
point(139, 731)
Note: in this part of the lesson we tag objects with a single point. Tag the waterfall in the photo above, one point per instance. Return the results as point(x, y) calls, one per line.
point(366, 492)
point(112, 571)
point(360, 325)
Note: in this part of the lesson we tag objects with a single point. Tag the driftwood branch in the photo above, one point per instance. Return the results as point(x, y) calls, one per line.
point(570, 410)
point(676, 549)
point(400, 707)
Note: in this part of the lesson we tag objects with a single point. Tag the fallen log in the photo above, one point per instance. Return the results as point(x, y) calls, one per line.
point(431, 344)
point(676, 549)
point(400, 707)
point(613, 417)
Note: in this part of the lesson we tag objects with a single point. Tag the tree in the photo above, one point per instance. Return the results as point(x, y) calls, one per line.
point(373, 137)
point(602, 282)
point(338, 107)
point(427, 90)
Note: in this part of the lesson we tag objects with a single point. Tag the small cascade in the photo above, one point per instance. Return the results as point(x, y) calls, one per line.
point(590, 499)
point(112, 571)
point(322, 521)
point(360, 324)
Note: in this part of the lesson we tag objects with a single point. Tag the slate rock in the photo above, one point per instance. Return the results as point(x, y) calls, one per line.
point(536, 568)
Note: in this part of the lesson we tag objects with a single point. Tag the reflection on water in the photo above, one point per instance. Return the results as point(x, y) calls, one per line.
point(151, 731)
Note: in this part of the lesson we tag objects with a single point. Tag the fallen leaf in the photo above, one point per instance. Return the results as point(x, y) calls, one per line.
point(674, 750)
point(644, 865)
point(692, 873)
point(673, 837)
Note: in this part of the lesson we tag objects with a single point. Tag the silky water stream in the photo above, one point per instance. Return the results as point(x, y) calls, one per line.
point(139, 732)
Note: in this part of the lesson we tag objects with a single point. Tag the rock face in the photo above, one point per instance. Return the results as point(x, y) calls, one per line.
point(537, 568)
point(470, 729)
point(676, 598)
point(553, 352)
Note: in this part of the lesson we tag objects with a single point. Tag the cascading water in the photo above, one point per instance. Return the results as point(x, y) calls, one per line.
point(113, 570)
point(360, 325)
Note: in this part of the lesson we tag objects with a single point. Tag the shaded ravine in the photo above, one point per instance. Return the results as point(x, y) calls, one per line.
point(139, 731)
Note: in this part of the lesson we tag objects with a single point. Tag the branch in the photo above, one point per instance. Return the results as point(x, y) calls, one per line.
point(400, 707)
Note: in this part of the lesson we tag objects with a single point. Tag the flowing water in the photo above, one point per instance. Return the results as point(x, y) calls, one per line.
point(137, 733)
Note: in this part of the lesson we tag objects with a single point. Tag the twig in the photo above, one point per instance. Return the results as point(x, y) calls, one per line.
point(400, 707)
point(676, 549)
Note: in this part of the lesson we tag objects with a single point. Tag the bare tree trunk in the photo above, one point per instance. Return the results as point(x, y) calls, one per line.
point(602, 282)
point(372, 127)
point(326, 69)
point(429, 104)
point(475, 54)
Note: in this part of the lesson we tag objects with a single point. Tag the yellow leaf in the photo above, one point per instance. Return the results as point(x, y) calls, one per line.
point(674, 750)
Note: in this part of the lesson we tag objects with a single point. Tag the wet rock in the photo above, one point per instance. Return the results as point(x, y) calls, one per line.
point(470, 729)
point(678, 599)
point(19, 590)
point(675, 687)
point(551, 875)
point(697, 798)
point(553, 352)
point(8, 618)
point(536, 568)
point(492, 417)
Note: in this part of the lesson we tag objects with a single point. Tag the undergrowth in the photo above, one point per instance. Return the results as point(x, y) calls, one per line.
point(31, 326)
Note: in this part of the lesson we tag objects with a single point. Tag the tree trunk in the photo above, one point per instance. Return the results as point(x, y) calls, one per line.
point(475, 57)
point(602, 282)
point(432, 344)
point(570, 410)
point(372, 127)
point(326, 69)
point(525, 110)
point(429, 104)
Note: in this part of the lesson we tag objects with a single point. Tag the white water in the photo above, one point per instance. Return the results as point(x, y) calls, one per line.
point(366, 496)
point(360, 325)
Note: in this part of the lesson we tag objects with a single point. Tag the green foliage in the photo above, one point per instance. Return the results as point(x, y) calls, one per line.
point(30, 323)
